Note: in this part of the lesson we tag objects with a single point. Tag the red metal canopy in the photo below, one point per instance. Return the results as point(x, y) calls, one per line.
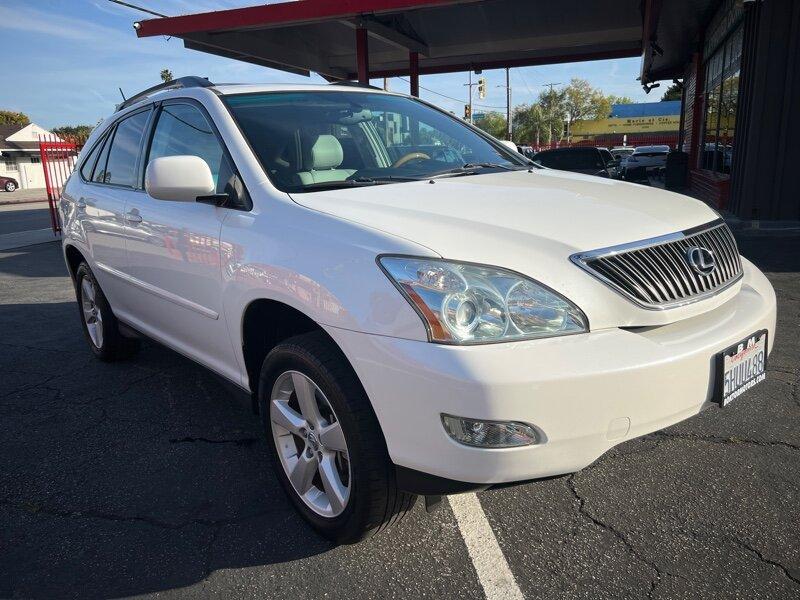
point(349, 39)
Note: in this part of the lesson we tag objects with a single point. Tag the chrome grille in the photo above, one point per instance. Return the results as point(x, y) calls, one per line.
point(657, 273)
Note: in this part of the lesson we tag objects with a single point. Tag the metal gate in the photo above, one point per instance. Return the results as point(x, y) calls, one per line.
point(58, 158)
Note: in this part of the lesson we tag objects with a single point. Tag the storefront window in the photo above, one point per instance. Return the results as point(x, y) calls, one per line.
point(721, 99)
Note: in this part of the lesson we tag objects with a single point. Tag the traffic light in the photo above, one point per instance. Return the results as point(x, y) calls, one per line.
point(467, 112)
point(482, 88)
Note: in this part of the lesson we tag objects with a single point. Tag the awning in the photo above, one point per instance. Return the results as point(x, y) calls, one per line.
point(325, 36)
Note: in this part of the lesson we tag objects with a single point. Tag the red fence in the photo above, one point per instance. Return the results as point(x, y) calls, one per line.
point(58, 161)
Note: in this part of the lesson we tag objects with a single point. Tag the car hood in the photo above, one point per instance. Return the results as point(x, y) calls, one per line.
point(530, 222)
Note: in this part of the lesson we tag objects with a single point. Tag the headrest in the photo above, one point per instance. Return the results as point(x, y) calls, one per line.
point(326, 153)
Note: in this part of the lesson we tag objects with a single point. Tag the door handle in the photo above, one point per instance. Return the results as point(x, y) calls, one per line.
point(132, 217)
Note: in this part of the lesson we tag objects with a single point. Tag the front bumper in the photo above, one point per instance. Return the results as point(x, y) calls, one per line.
point(585, 393)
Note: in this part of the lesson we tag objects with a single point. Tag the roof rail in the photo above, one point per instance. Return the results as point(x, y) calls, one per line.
point(355, 84)
point(182, 82)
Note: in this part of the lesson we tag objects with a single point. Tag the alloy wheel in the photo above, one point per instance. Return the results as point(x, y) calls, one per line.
point(92, 317)
point(10, 186)
point(310, 443)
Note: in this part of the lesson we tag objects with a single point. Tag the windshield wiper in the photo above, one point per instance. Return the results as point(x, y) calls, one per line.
point(333, 185)
point(473, 168)
point(487, 165)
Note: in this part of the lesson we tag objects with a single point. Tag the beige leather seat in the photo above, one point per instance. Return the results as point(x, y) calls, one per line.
point(325, 156)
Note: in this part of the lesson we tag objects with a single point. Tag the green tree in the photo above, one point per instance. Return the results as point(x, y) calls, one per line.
point(583, 102)
point(612, 99)
point(673, 92)
point(9, 117)
point(494, 124)
point(73, 131)
point(166, 75)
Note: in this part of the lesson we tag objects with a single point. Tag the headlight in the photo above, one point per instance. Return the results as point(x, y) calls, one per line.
point(463, 303)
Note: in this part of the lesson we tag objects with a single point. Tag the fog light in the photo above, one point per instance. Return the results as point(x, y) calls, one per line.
point(489, 434)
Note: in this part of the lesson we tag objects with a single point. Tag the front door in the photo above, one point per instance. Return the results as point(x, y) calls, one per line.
point(173, 253)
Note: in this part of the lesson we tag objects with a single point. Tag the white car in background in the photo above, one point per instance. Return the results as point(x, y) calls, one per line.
point(647, 157)
point(406, 324)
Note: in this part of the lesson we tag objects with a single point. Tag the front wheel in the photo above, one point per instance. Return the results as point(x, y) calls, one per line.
point(327, 446)
point(10, 186)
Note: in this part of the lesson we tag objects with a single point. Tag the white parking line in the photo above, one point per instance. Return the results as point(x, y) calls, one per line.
point(494, 574)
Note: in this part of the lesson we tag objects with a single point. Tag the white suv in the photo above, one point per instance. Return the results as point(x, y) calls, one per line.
point(414, 308)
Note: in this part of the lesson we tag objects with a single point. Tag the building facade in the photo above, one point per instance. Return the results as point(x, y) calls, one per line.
point(19, 154)
point(741, 109)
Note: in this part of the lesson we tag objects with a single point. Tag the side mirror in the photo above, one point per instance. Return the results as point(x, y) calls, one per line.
point(178, 178)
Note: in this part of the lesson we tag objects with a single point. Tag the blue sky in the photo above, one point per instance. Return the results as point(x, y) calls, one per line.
point(66, 59)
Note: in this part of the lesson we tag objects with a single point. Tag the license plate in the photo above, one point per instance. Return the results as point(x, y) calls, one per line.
point(740, 367)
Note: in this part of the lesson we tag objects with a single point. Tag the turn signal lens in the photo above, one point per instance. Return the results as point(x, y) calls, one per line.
point(489, 434)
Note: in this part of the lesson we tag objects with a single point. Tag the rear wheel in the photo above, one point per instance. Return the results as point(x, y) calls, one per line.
point(10, 186)
point(100, 326)
point(327, 446)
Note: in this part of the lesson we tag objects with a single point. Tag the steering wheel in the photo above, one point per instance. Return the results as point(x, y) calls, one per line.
point(409, 157)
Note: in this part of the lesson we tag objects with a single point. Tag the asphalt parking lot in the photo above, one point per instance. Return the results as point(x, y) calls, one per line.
point(148, 478)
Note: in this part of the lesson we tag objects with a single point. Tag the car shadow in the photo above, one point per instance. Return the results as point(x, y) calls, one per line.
point(127, 478)
point(24, 262)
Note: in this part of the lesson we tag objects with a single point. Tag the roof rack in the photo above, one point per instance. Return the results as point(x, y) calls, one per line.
point(355, 84)
point(182, 82)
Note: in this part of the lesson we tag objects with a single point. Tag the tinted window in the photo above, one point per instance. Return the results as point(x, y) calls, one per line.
point(121, 165)
point(574, 159)
point(99, 173)
point(88, 164)
point(183, 130)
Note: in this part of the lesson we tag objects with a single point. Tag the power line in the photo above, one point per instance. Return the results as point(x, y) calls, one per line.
point(460, 101)
point(134, 7)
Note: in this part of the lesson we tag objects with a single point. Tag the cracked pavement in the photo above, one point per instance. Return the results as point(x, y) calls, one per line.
point(147, 477)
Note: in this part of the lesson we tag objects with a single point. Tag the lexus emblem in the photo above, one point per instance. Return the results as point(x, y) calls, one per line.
point(701, 260)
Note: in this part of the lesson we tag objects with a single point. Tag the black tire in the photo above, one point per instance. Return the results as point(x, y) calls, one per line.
point(114, 346)
point(374, 502)
point(10, 186)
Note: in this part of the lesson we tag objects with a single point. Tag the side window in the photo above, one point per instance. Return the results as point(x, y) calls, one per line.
point(99, 173)
point(88, 164)
point(183, 130)
point(124, 151)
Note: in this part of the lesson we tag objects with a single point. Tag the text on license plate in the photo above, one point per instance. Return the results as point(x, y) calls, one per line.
point(743, 366)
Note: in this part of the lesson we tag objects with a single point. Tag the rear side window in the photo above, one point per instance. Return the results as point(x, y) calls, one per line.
point(99, 173)
point(120, 168)
point(183, 130)
point(88, 164)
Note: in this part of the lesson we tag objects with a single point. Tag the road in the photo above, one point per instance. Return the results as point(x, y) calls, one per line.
point(148, 478)
point(24, 217)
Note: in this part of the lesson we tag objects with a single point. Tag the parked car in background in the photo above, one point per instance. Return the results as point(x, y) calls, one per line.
point(405, 322)
point(622, 152)
point(589, 161)
point(646, 159)
point(8, 184)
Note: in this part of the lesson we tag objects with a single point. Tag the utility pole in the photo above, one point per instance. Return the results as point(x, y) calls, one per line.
point(469, 103)
point(550, 111)
point(509, 131)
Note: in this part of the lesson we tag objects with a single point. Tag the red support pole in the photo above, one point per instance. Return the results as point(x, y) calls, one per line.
point(362, 55)
point(413, 67)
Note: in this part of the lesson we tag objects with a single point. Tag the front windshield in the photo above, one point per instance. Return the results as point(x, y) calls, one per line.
point(316, 140)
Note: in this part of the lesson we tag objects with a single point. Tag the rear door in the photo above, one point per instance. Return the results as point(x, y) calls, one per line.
point(108, 182)
point(173, 248)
